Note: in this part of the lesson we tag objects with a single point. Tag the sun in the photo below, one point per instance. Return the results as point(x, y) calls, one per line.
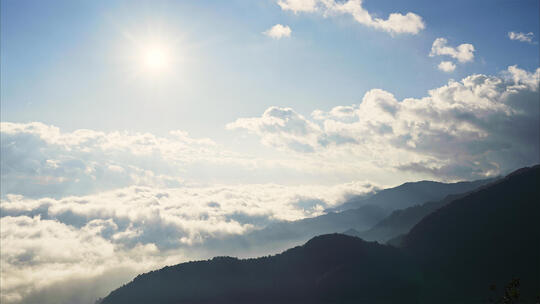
point(152, 55)
point(155, 58)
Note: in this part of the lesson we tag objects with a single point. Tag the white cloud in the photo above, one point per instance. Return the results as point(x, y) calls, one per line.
point(278, 31)
point(523, 80)
point(281, 127)
point(38, 253)
point(463, 52)
point(128, 201)
point(523, 37)
point(480, 126)
point(40, 160)
point(447, 66)
point(396, 23)
point(48, 242)
point(298, 5)
point(118, 204)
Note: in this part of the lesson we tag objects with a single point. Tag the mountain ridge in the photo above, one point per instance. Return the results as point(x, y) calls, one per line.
point(493, 233)
point(326, 268)
point(411, 193)
point(281, 235)
point(489, 236)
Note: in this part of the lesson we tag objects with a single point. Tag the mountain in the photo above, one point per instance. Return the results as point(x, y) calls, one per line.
point(453, 255)
point(282, 235)
point(328, 269)
point(410, 194)
point(360, 218)
point(401, 221)
point(489, 236)
point(352, 232)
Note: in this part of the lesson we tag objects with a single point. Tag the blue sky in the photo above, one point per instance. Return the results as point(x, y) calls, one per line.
point(58, 59)
point(134, 132)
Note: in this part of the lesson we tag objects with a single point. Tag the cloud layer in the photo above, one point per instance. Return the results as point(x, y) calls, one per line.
point(40, 160)
point(480, 126)
point(78, 207)
point(48, 242)
point(396, 23)
point(84, 211)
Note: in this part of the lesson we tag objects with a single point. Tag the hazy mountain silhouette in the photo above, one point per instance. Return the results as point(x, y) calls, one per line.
point(370, 211)
point(409, 194)
point(282, 235)
point(451, 256)
point(401, 221)
point(352, 232)
point(327, 269)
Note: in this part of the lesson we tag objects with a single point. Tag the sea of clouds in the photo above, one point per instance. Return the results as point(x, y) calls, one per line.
point(84, 211)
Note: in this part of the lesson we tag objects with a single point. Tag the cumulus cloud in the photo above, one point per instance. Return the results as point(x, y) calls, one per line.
point(281, 127)
point(278, 31)
point(519, 36)
point(447, 66)
point(298, 5)
point(396, 23)
point(480, 126)
point(40, 160)
point(83, 239)
point(463, 52)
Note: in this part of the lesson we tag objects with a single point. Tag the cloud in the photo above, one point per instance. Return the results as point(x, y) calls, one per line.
point(281, 127)
point(298, 5)
point(39, 159)
point(80, 240)
point(480, 126)
point(463, 52)
point(37, 254)
point(78, 206)
point(523, 37)
point(81, 289)
point(278, 31)
point(396, 23)
point(447, 66)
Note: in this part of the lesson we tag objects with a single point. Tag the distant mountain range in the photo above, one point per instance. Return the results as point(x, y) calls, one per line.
point(452, 255)
point(401, 221)
point(365, 216)
point(409, 194)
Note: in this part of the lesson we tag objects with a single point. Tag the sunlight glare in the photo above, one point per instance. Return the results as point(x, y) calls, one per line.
point(155, 58)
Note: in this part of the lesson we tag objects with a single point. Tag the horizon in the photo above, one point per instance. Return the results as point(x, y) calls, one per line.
point(136, 135)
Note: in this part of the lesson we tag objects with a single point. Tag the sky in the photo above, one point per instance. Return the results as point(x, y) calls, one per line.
point(131, 130)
